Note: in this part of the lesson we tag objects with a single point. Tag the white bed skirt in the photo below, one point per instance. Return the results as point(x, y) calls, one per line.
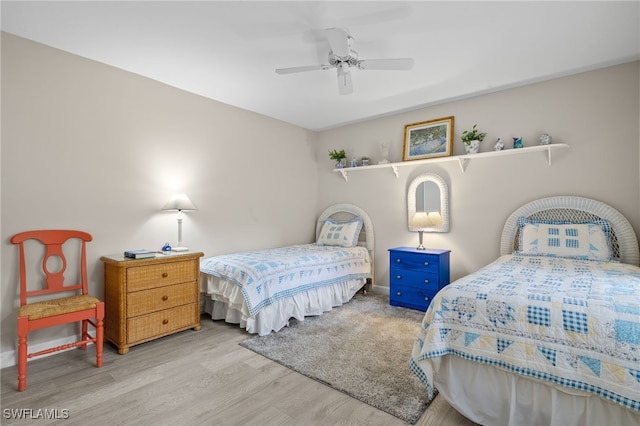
point(491, 396)
point(224, 301)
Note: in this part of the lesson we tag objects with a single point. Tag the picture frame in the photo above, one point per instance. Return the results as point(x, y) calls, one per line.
point(428, 139)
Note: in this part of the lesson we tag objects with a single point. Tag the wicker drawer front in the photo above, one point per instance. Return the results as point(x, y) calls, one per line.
point(151, 276)
point(156, 299)
point(160, 323)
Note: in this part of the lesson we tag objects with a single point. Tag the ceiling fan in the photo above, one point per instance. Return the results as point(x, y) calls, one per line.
point(342, 56)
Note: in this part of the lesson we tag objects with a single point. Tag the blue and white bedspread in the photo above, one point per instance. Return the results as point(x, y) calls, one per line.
point(574, 323)
point(265, 276)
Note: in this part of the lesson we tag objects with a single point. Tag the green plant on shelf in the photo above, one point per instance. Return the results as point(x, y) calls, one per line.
point(472, 135)
point(337, 155)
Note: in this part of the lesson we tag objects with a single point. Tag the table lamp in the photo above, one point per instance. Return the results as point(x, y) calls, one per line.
point(424, 220)
point(179, 203)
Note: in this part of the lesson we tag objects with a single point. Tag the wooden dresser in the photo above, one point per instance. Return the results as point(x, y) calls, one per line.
point(415, 276)
point(150, 298)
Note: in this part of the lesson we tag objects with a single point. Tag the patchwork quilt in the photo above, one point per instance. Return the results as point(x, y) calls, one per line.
point(265, 276)
point(574, 323)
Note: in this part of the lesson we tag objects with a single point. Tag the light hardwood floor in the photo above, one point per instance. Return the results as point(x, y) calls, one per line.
point(190, 378)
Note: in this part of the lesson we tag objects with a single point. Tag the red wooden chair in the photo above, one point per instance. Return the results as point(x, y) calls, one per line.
point(60, 310)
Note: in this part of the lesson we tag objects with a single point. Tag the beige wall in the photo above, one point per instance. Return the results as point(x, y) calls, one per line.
point(596, 113)
point(89, 146)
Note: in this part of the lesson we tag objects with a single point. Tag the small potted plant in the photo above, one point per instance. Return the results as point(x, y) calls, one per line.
point(472, 139)
point(364, 161)
point(338, 156)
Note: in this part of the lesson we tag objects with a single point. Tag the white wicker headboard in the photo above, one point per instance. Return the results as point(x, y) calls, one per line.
point(344, 212)
point(575, 209)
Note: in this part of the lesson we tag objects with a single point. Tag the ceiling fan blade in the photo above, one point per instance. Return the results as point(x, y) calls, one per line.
point(302, 69)
point(386, 64)
point(338, 41)
point(345, 86)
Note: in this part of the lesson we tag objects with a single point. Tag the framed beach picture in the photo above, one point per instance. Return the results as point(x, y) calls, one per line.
point(428, 139)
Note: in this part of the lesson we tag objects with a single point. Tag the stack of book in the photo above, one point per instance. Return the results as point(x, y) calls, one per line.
point(140, 254)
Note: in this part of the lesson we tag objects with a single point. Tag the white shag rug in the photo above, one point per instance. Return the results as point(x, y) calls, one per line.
point(361, 348)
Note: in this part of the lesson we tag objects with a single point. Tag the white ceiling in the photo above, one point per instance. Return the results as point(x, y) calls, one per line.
point(228, 51)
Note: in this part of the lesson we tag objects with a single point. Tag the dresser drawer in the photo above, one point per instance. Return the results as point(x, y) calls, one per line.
point(408, 277)
point(412, 297)
point(160, 323)
point(156, 299)
point(151, 276)
point(422, 262)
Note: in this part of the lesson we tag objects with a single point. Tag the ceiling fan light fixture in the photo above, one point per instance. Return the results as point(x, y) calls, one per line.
point(342, 56)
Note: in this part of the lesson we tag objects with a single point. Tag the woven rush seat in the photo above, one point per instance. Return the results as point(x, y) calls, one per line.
point(64, 305)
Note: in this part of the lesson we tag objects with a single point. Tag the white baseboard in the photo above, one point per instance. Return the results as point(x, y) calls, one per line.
point(10, 358)
point(380, 290)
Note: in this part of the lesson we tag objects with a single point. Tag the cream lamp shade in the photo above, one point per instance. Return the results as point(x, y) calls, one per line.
point(179, 203)
point(421, 220)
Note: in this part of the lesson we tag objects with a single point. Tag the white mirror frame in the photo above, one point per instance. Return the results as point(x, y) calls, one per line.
point(444, 202)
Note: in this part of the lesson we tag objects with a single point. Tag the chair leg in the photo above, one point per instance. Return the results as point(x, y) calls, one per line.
point(99, 333)
point(23, 329)
point(85, 334)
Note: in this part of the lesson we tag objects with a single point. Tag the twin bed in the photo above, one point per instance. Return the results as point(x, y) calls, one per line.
point(262, 290)
point(547, 334)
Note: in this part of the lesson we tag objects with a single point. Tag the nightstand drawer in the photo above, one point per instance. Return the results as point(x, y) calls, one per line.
point(422, 262)
point(160, 323)
point(410, 297)
point(151, 276)
point(413, 278)
point(156, 299)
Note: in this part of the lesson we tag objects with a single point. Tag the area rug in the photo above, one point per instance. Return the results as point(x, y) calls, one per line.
point(361, 348)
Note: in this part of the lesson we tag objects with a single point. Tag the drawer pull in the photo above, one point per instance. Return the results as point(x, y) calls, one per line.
point(398, 277)
point(426, 298)
point(426, 281)
point(399, 293)
point(165, 298)
point(165, 275)
point(165, 321)
point(426, 263)
point(398, 260)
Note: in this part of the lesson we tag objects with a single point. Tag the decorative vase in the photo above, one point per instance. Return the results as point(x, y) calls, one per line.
point(517, 143)
point(472, 147)
point(499, 146)
point(545, 139)
point(340, 164)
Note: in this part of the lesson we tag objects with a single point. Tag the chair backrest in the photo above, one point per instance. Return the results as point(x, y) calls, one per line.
point(53, 241)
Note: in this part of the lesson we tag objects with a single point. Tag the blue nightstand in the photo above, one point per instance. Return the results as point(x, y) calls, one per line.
point(415, 276)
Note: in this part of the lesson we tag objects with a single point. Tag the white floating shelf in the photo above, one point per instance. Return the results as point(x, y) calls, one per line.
point(462, 160)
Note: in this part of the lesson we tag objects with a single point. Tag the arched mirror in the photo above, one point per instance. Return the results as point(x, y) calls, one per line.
point(428, 196)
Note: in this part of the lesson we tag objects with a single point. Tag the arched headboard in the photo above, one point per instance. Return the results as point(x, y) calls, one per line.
point(575, 209)
point(344, 212)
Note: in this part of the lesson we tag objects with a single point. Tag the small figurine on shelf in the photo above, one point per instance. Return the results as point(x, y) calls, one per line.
point(354, 162)
point(545, 139)
point(517, 143)
point(384, 153)
point(499, 144)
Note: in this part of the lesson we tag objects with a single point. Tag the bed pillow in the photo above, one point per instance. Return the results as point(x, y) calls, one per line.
point(342, 234)
point(588, 240)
